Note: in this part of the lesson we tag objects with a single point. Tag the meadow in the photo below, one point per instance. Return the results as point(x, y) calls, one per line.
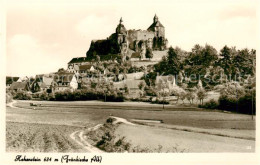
point(47, 127)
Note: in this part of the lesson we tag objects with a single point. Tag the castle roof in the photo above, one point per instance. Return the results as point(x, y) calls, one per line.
point(120, 29)
point(155, 24)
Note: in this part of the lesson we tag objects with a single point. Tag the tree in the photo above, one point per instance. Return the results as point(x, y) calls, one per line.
point(225, 62)
point(161, 66)
point(190, 96)
point(173, 62)
point(169, 64)
point(150, 78)
point(98, 58)
point(210, 55)
point(116, 71)
point(182, 95)
point(244, 62)
point(201, 94)
point(181, 54)
point(126, 89)
point(61, 70)
point(149, 53)
point(141, 85)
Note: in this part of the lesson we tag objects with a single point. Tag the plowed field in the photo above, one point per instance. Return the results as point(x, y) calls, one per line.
point(26, 137)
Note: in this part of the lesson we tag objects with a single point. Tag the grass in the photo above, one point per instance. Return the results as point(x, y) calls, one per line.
point(105, 139)
point(93, 113)
point(56, 120)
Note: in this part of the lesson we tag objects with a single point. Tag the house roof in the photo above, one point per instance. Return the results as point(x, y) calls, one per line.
point(78, 60)
point(84, 67)
point(42, 85)
point(19, 85)
point(47, 80)
point(10, 80)
point(63, 76)
point(131, 84)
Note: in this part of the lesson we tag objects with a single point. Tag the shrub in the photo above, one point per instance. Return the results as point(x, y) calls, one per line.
point(228, 103)
point(22, 96)
point(150, 91)
point(51, 97)
point(89, 94)
point(110, 120)
point(44, 96)
point(8, 97)
point(212, 104)
point(245, 104)
point(157, 101)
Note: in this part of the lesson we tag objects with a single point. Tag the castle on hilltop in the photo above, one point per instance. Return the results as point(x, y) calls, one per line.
point(130, 43)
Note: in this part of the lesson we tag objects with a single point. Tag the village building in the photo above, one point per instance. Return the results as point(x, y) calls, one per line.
point(10, 80)
point(64, 80)
point(80, 65)
point(132, 85)
point(20, 86)
point(131, 81)
point(165, 82)
point(42, 83)
point(73, 65)
point(86, 68)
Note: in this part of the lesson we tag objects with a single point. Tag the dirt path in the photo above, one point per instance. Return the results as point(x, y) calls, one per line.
point(79, 138)
point(122, 120)
point(11, 104)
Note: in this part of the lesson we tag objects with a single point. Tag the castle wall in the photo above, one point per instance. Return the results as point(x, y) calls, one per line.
point(131, 37)
point(138, 35)
point(124, 41)
point(161, 32)
point(144, 35)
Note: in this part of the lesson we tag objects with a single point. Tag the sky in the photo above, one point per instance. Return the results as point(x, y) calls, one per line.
point(43, 36)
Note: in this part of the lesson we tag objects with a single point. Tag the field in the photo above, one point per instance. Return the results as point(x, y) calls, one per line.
point(56, 121)
point(25, 137)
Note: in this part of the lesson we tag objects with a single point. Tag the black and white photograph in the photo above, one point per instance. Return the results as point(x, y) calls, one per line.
point(133, 77)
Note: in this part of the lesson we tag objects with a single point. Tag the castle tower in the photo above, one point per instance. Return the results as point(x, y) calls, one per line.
point(121, 32)
point(120, 29)
point(159, 40)
point(157, 27)
point(155, 19)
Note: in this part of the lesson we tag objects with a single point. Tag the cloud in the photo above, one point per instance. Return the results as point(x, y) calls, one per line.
point(26, 56)
point(238, 11)
point(50, 34)
point(97, 27)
